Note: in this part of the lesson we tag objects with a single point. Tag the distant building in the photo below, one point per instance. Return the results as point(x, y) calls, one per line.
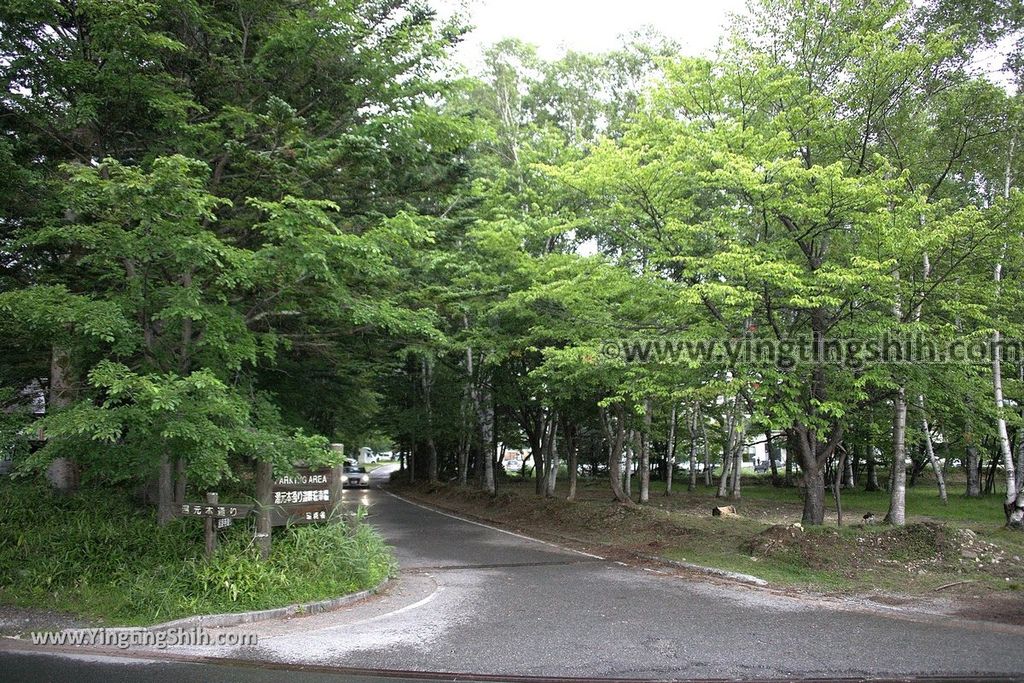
point(31, 399)
point(757, 450)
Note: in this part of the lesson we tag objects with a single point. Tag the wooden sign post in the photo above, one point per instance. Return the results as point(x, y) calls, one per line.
point(310, 496)
point(210, 530)
point(213, 513)
point(264, 495)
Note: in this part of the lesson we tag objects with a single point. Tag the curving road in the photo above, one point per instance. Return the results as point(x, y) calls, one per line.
point(472, 598)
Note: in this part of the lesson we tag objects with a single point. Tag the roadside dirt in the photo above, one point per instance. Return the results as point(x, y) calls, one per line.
point(20, 620)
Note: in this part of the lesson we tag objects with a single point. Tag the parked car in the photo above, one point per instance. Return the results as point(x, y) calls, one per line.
point(355, 478)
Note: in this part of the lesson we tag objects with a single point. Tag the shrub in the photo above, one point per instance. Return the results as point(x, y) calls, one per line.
point(100, 555)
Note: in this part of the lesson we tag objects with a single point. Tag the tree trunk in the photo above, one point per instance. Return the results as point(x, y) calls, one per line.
point(551, 459)
point(180, 481)
point(872, 462)
point(427, 383)
point(487, 442)
point(645, 455)
point(464, 444)
point(469, 425)
point(973, 466)
point(897, 514)
point(723, 481)
point(836, 494)
point(1020, 436)
point(670, 457)
point(814, 496)
point(631, 450)
point(572, 453)
point(62, 473)
point(1020, 464)
point(737, 466)
point(693, 450)
point(848, 476)
point(536, 429)
point(165, 492)
point(616, 442)
point(484, 409)
point(1013, 503)
point(930, 449)
point(813, 454)
point(727, 455)
point(707, 448)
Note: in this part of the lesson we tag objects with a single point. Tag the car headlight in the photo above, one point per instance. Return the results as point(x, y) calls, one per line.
point(344, 479)
point(365, 479)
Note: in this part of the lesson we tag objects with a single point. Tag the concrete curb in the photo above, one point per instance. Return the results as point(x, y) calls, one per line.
point(237, 618)
point(714, 571)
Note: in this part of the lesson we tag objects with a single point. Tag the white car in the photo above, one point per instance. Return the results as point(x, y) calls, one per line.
point(355, 478)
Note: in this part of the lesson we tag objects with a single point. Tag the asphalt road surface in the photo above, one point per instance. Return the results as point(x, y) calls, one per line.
point(472, 599)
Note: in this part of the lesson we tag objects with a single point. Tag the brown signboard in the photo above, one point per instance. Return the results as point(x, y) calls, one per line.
point(306, 497)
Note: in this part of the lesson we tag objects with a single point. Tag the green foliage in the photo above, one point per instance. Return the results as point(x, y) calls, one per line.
point(100, 555)
point(240, 232)
point(230, 190)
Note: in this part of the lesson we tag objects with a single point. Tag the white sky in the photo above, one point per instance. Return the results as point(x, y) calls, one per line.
point(590, 25)
point(595, 26)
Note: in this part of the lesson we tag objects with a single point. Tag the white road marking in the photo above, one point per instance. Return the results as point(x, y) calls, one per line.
point(387, 615)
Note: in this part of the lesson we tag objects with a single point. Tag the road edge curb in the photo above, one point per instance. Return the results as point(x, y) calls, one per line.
point(713, 571)
point(300, 608)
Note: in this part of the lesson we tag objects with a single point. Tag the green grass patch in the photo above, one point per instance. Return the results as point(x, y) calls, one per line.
point(783, 569)
point(100, 555)
point(923, 502)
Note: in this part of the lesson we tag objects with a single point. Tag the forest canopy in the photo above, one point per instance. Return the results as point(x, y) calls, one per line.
point(238, 232)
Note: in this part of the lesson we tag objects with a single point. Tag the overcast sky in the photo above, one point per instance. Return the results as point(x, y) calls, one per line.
point(590, 25)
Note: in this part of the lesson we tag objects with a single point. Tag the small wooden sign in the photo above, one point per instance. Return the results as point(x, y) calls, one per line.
point(307, 497)
point(215, 516)
point(229, 511)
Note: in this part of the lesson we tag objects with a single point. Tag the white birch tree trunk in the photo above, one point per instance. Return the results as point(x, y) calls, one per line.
point(670, 457)
point(645, 455)
point(930, 449)
point(1012, 503)
point(897, 514)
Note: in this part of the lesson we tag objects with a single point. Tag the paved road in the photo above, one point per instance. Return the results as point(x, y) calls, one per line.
point(475, 599)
